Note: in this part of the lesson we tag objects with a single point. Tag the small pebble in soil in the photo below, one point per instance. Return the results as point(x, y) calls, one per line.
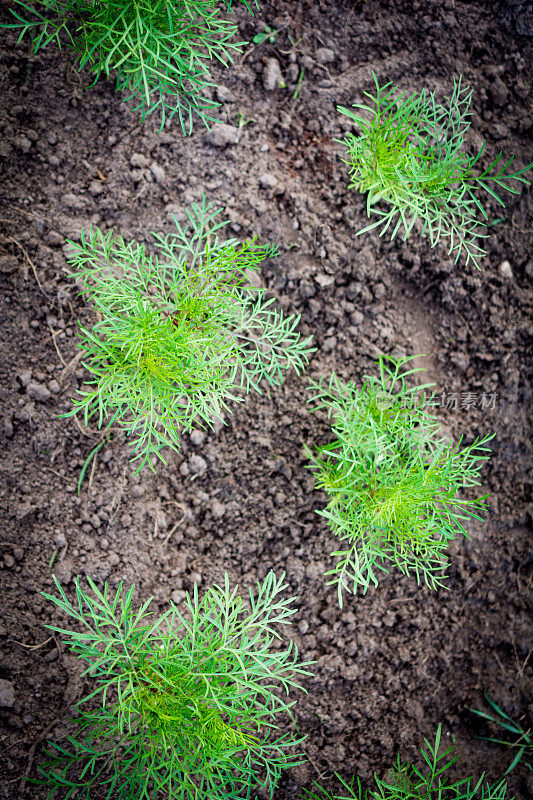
point(7, 694)
point(221, 134)
point(63, 571)
point(217, 509)
point(272, 77)
point(24, 377)
point(22, 143)
point(138, 160)
point(506, 271)
point(197, 438)
point(197, 464)
point(325, 55)
point(268, 181)
point(158, 172)
point(38, 392)
point(60, 539)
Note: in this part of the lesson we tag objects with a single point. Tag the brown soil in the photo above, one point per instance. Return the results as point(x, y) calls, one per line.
point(390, 665)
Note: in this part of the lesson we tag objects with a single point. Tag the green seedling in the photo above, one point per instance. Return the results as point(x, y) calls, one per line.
point(523, 744)
point(160, 50)
point(91, 459)
point(392, 478)
point(407, 781)
point(187, 702)
point(411, 156)
point(179, 334)
point(267, 34)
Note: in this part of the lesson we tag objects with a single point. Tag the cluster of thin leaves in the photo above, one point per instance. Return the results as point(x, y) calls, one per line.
point(160, 49)
point(412, 155)
point(179, 334)
point(392, 478)
point(188, 701)
point(408, 782)
point(523, 741)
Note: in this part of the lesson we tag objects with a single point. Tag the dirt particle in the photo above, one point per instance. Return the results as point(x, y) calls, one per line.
point(7, 694)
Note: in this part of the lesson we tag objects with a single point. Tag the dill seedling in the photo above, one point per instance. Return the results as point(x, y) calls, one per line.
point(392, 478)
point(411, 155)
point(180, 334)
point(406, 781)
point(159, 49)
point(523, 743)
point(188, 702)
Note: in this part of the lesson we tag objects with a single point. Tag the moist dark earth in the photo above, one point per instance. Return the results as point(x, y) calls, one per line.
point(394, 663)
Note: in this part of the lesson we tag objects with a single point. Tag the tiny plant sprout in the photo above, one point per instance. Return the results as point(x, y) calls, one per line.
point(184, 706)
point(179, 334)
point(411, 157)
point(267, 34)
point(407, 781)
point(392, 478)
point(160, 50)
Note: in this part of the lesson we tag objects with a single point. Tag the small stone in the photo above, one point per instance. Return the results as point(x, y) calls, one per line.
point(73, 202)
point(8, 263)
point(113, 559)
point(356, 318)
point(184, 469)
point(272, 77)
point(506, 271)
point(268, 181)
point(53, 655)
point(225, 95)
point(38, 392)
point(55, 239)
point(178, 596)
point(325, 55)
point(23, 143)
point(63, 571)
point(460, 360)
point(138, 160)
point(303, 626)
point(221, 134)
point(60, 540)
point(414, 708)
point(104, 543)
point(197, 438)
point(323, 279)
point(499, 93)
point(24, 377)
point(7, 694)
point(54, 387)
point(8, 427)
point(158, 172)
point(197, 464)
point(96, 188)
point(25, 413)
point(217, 509)
point(9, 561)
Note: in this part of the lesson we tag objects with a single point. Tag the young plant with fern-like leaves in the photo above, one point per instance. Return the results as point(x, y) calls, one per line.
point(188, 702)
point(411, 157)
point(180, 334)
point(392, 478)
point(159, 49)
point(406, 781)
